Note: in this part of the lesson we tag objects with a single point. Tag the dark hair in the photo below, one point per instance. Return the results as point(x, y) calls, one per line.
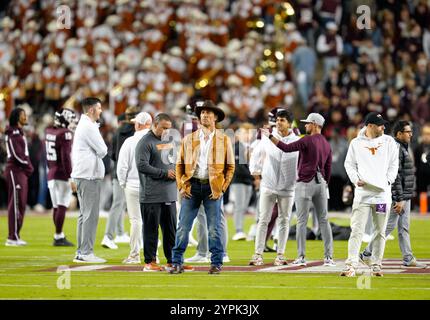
point(87, 103)
point(399, 126)
point(286, 114)
point(160, 117)
point(14, 116)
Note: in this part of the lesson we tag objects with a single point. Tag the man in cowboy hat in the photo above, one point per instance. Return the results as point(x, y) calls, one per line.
point(204, 170)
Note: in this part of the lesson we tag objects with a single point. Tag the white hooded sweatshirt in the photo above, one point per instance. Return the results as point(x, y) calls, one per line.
point(278, 169)
point(376, 162)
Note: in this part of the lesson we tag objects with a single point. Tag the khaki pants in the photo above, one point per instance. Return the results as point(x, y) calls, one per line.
point(360, 214)
point(135, 217)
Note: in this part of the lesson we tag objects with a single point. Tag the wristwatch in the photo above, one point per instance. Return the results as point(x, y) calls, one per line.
point(270, 136)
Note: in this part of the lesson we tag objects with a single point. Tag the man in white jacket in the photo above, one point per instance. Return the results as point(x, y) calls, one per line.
point(87, 174)
point(128, 179)
point(278, 172)
point(372, 163)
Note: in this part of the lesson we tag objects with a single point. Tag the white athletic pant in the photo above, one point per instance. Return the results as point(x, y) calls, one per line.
point(360, 213)
point(285, 206)
point(133, 209)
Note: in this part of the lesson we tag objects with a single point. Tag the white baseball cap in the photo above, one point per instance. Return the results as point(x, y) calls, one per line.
point(315, 118)
point(142, 118)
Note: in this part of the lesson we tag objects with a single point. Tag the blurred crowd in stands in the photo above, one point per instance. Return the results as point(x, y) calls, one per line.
point(248, 56)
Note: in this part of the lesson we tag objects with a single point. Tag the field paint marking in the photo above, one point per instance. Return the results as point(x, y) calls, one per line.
point(86, 268)
point(216, 286)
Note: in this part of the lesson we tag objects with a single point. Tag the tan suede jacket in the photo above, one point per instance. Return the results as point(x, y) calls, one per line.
point(220, 162)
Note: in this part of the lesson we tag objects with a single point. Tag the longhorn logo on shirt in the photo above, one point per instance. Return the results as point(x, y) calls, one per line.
point(374, 149)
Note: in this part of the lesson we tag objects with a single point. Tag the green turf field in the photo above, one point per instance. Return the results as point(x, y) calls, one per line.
point(21, 276)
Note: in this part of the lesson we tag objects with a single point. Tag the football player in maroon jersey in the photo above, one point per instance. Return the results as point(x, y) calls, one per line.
point(58, 139)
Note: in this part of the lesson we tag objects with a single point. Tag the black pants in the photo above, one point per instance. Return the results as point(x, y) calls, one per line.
point(154, 215)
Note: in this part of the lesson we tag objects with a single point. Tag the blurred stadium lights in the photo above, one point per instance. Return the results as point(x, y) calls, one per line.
point(289, 10)
point(262, 78)
point(267, 52)
point(259, 24)
point(279, 55)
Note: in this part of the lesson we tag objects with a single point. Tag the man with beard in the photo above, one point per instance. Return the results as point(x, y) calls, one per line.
point(372, 164)
point(314, 171)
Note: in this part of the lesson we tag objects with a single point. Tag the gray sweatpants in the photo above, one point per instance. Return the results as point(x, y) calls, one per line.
point(308, 193)
point(241, 194)
point(114, 224)
point(402, 223)
point(202, 232)
point(89, 200)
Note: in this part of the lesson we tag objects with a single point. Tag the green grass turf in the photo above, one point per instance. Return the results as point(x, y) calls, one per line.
point(21, 278)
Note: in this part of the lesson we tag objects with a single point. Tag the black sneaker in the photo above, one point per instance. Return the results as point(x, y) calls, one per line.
point(214, 270)
point(268, 249)
point(63, 242)
point(176, 269)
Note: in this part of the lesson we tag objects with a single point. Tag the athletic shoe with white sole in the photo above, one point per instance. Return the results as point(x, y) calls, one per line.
point(280, 260)
point(152, 267)
point(124, 238)
point(239, 236)
point(108, 243)
point(414, 263)
point(300, 261)
point(15, 243)
point(88, 258)
point(348, 271)
point(390, 237)
point(225, 259)
point(62, 242)
point(132, 260)
point(365, 257)
point(197, 259)
point(256, 260)
point(328, 261)
point(376, 271)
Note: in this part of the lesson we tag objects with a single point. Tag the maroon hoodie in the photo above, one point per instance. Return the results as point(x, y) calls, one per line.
point(17, 151)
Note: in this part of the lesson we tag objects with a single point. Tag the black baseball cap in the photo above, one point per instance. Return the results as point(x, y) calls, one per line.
point(374, 118)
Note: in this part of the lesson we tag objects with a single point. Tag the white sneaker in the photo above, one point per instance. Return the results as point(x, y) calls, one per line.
point(328, 261)
point(256, 260)
point(15, 243)
point(132, 260)
point(197, 259)
point(88, 258)
point(300, 261)
point(124, 238)
point(367, 238)
point(348, 271)
point(108, 243)
point(280, 260)
point(390, 237)
point(225, 259)
point(239, 236)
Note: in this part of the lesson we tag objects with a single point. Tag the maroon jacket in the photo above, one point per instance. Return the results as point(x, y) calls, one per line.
point(17, 151)
point(314, 154)
point(58, 153)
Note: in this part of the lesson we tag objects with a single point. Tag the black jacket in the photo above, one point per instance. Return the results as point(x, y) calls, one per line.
point(125, 131)
point(404, 186)
point(241, 172)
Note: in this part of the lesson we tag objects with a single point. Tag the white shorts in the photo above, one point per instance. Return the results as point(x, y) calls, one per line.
point(60, 192)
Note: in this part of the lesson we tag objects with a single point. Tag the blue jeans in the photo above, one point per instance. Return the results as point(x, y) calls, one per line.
point(189, 208)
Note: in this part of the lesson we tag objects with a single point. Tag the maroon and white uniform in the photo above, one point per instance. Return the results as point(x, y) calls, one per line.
point(58, 155)
point(18, 169)
point(58, 142)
